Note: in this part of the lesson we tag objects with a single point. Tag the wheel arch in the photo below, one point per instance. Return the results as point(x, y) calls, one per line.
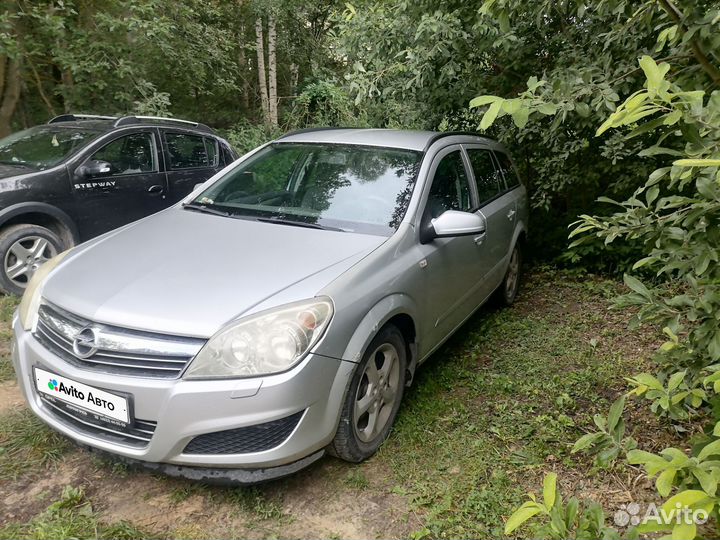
point(397, 309)
point(44, 215)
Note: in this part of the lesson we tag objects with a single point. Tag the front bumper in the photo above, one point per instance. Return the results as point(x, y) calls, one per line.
point(184, 409)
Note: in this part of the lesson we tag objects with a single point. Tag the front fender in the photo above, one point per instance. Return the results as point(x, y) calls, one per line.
point(375, 319)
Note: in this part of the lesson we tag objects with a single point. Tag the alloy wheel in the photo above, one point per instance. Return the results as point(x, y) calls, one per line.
point(25, 256)
point(376, 393)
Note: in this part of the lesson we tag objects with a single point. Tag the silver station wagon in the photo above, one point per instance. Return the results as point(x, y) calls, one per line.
point(280, 310)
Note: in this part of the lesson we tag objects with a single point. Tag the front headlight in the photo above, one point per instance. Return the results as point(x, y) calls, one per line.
point(269, 342)
point(33, 292)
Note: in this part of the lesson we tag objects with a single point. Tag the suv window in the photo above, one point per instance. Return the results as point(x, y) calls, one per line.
point(450, 188)
point(191, 151)
point(130, 154)
point(487, 177)
point(511, 177)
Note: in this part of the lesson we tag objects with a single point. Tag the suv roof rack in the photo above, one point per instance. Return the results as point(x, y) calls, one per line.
point(131, 120)
point(75, 117)
point(443, 134)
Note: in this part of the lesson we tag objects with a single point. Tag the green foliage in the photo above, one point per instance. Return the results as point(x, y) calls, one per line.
point(609, 442)
point(561, 520)
point(324, 103)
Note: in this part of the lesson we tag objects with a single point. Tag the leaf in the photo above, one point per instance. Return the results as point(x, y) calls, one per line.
point(675, 380)
point(697, 163)
point(550, 490)
point(490, 115)
point(586, 441)
point(636, 285)
point(521, 515)
point(547, 109)
point(709, 450)
point(655, 73)
point(714, 346)
point(616, 410)
point(664, 481)
point(520, 117)
point(684, 531)
point(482, 100)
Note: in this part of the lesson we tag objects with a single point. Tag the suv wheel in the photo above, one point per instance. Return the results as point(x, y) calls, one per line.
point(373, 398)
point(23, 248)
point(511, 283)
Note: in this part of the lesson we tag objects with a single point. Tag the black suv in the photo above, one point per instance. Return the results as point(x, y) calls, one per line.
point(79, 176)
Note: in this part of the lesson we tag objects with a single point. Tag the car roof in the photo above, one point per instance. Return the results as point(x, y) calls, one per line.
point(392, 138)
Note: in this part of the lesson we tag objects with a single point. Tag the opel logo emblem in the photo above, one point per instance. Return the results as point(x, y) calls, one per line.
point(85, 342)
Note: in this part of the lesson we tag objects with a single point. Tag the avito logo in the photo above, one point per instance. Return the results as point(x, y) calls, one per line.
point(52, 384)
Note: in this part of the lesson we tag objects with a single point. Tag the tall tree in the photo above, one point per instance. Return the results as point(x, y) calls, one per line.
point(262, 80)
point(272, 72)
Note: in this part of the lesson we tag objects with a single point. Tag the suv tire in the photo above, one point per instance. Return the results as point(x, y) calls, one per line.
point(33, 242)
point(378, 382)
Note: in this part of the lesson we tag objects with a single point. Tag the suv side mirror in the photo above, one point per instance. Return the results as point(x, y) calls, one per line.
point(93, 167)
point(454, 223)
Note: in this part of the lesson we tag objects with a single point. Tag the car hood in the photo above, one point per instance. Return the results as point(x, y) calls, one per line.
point(184, 273)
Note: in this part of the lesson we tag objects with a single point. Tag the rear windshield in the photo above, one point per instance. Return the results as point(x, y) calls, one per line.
point(42, 147)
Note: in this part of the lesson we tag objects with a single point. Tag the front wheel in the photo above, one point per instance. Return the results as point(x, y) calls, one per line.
point(373, 398)
point(23, 248)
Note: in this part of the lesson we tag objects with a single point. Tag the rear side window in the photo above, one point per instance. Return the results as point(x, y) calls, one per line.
point(511, 177)
point(191, 151)
point(450, 188)
point(487, 177)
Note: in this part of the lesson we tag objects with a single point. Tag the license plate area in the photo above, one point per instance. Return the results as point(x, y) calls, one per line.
point(87, 403)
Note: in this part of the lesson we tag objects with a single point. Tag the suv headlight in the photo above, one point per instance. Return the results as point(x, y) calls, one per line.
point(30, 302)
point(265, 343)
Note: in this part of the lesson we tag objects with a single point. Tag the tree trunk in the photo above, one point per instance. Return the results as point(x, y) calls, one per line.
point(272, 72)
point(294, 75)
point(243, 65)
point(262, 81)
point(10, 97)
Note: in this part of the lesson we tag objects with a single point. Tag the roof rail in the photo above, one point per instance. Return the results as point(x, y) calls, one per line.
point(437, 136)
point(310, 130)
point(131, 120)
point(75, 117)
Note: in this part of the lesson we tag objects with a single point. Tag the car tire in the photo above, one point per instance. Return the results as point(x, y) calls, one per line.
point(363, 428)
point(507, 292)
point(37, 244)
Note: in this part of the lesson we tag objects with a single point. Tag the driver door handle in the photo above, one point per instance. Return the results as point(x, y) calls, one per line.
point(156, 189)
point(511, 214)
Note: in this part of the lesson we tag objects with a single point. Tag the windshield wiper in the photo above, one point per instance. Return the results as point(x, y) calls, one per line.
point(205, 209)
point(292, 223)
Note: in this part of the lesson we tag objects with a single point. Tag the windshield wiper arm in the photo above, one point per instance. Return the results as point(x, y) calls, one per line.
point(205, 209)
point(305, 224)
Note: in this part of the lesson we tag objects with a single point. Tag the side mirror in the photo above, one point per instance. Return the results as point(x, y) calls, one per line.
point(93, 167)
point(454, 223)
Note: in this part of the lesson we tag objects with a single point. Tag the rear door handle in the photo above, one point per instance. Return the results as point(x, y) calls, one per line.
point(156, 189)
point(511, 214)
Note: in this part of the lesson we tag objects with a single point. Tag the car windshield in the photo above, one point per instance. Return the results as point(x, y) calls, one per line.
point(42, 147)
point(351, 188)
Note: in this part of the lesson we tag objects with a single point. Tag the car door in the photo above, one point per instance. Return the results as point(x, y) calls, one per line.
point(129, 186)
point(190, 158)
point(453, 268)
point(498, 206)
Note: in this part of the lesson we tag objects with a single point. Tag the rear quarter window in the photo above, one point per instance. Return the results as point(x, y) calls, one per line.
point(511, 176)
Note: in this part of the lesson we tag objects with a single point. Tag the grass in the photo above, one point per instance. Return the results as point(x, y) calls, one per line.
point(500, 404)
point(7, 307)
point(72, 516)
point(27, 443)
